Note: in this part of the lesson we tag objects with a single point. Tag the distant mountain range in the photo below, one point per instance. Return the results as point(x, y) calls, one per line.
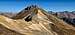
point(68, 17)
point(8, 14)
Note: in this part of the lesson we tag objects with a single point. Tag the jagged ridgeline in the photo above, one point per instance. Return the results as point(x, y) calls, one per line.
point(31, 10)
point(42, 23)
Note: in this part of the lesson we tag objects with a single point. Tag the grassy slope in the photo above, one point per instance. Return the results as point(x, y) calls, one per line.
point(43, 28)
point(60, 26)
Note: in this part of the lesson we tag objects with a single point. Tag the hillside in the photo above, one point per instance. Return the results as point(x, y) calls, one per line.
point(36, 21)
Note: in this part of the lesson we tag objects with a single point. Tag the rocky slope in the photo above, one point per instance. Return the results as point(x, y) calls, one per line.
point(36, 22)
point(66, 16)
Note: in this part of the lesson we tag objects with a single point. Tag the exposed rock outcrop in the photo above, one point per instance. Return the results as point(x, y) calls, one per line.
point(36, 21)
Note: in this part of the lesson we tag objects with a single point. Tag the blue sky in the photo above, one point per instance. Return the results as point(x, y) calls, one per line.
point(48, 5)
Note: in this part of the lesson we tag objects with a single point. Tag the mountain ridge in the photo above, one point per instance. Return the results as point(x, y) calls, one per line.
point(37, 21)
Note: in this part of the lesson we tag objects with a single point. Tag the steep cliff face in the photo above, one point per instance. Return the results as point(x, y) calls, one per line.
point(37, 22)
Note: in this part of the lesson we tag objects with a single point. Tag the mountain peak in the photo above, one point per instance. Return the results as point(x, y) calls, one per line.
point(29, 11)
point(35, 21)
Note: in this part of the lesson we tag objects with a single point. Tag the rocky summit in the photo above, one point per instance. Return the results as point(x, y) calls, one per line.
point(34, 21)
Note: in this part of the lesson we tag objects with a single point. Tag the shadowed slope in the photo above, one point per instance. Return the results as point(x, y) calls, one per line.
point(6, 31)
point(60, 26)
point(41, 23)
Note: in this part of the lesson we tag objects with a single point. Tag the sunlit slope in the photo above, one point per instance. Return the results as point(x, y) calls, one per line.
point(38, 25)
point(41, 23)
point(60, 26)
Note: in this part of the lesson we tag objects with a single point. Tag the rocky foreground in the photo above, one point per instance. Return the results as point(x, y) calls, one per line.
point(35, 22)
